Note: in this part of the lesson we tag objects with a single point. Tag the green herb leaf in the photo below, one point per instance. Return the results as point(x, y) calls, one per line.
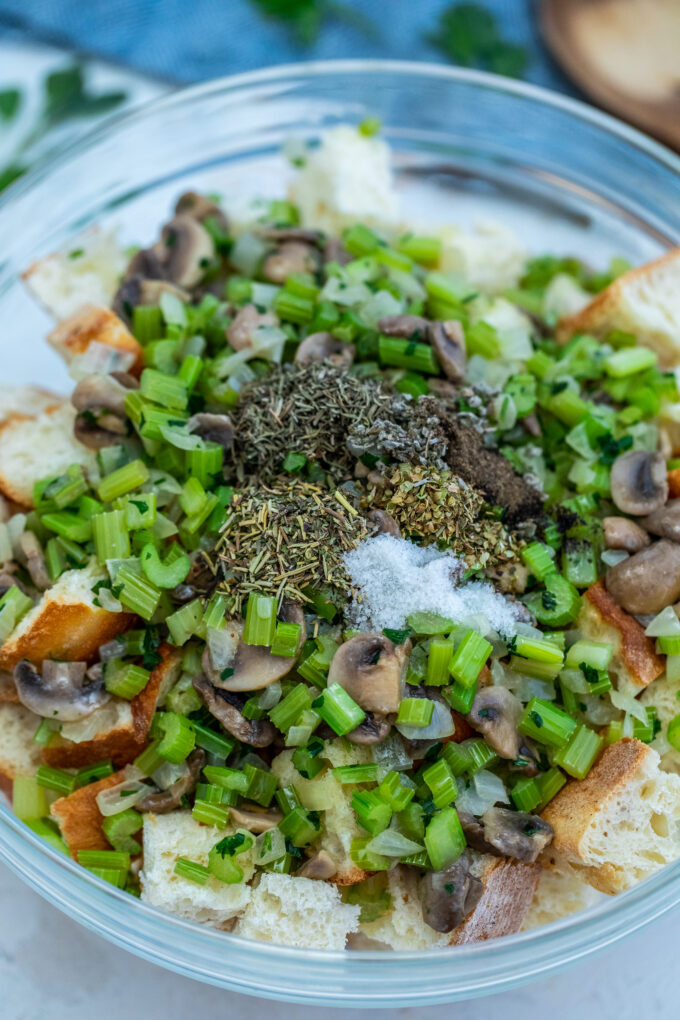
point(10, 100)
point(469, 34)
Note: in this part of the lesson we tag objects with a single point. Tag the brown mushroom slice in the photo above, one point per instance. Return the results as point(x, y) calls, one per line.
point(447, 897)
point(324, 347)
point(515, 834)
point(495, 713)
point(253, 667)
point(240, 332)
point(448, 340)
point(371, 669)
point(384, 523)
point(311, 238)
point(100, 402)
point(60, 692)
point(254, 818)
point(372, 730)
point(185, 250)
point(35, 560)
point(510, 578)
point(290, 257)
point(226, 707)
point(213, 428)
point(171, 799)
point(408, 327)
point(638, 482)
point(664, 522)
point(648, 581)
point(622, 533)
point(201, 208)
point(321, 866)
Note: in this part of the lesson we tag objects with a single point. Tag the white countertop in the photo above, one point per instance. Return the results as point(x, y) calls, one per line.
point(52, 969)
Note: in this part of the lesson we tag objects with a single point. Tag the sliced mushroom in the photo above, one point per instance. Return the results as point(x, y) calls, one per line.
point(372, 730)
point(335, 251)
point(200, 208)
point(240, 333)
point(664, 522)
point(226, 707)
point(448, 340)
point(408, 327)
point(648, 581)
point(384, 523)
point(136, 289)
point(495, 713)
point(311, 238)
point(507, 833)
point(214, 428)
point(185, 250)
point(510, 578)
point(100, 403)
point(638, 482)
point(290, 257)
point(324, 347)
point(321, 866)
point(527, 762)
point(371, 669)
point(448, 897)
point(255, 818)
point(253, 667)
point(35, 560)
point(622, 533)
point(171, 799)
point(60, 691)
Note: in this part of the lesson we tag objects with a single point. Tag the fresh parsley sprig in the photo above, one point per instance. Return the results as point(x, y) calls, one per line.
point(469, 34)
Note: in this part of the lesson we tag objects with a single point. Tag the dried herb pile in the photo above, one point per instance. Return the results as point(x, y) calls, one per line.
point(286, 537)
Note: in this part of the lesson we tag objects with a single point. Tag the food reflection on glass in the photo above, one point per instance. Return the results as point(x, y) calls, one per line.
point(338, 601)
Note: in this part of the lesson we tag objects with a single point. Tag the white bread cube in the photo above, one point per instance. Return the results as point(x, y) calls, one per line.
point(167, 837)
point(327, 794)
point(89, 270)
point(558, 895)
point(65, 624)
point(347, 180)
point(402, 927)
point(294, 911)
point(19, 755)
point(634, 663)
point(20, 399)
point(36, 447)
point(94, 324)
point(663, 695)
point(621, 823)
point(645, 301)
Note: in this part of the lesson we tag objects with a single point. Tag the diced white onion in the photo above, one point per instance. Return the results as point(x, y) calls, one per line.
point(168, 774)
point(664, 624)
point(173, 309)
point(270, 696)
point(335, 289)
point(298, 736)
point(108, 602)
point(100, 359)
point(222, 644)
point(247, 253)
point(574, 680)
point(391, 756)
point(442, 725)
point(6, 551)
point(16, 526)
point(264, 294)
point(163, 527)
point(121, 796)
point(114, 565)
point(392, 843)
point(610, 557)
point(482, 792)
point(378, 306)
point(269, 846)
point(180, 437)
point(627, 703)
point(268, 342)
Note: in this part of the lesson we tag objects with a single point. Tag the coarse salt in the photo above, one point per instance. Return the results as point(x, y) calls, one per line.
point(396, 578)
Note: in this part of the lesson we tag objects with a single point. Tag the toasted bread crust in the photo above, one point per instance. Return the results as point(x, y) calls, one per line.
point(122, 744)
point(674, 483)
point(598, 316)
point(90, 323)
point(8, 691)
point(79, 818)
point(634, 652)
point(509, 888)
point(571, 812)
point(64, 630)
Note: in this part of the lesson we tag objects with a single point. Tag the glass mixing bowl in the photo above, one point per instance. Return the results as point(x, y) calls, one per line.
point(467, 146)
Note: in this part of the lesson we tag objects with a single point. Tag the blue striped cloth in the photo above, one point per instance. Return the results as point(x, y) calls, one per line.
point(192, 40)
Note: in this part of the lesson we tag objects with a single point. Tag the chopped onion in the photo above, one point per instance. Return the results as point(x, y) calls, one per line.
point(102, 720)
point(337, 290)
point(628, 726)
point(391, 755)
point(599, 711)
point(168, 774)
point(163, 527)
point(114, 565)
point(161, 481)
point(269, 846)
point(379, 305)
point(121, 796)
point(269, 341)
point(664, 624)
point(222, 644)
point(482, 792)
point(115, 649)
point(100, 359)
point(627, 703)
point(180, 437)
point(6, 551)
point(318, 796)
point(270, 696)
point(392, 843)
point(247, 253)
point(298, 736)
point(108, 602)
point(173, 309)
point(264, 294)
point(574, 680)
point(410, 287)
point(16, 526)
point(442, 725)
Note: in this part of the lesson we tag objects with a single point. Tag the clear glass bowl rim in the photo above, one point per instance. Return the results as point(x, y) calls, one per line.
point(367, 979)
